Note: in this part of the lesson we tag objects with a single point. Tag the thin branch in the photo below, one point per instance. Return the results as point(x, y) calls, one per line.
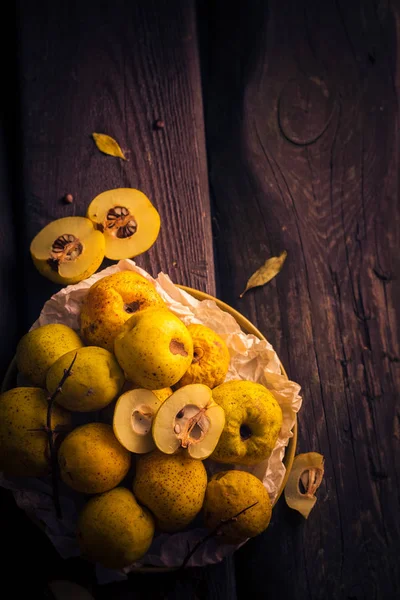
point(214, 532)
point(50, 436)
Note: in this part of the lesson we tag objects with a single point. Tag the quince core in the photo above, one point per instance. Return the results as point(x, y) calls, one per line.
point(128, 219)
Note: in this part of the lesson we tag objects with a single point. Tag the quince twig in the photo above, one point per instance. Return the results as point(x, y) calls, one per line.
point(214, 532)
point(50, 436)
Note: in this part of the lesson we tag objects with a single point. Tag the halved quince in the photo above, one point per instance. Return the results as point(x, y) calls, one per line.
point(133, 417)
point(68, 250)
point(189, 419)
point(128, 219)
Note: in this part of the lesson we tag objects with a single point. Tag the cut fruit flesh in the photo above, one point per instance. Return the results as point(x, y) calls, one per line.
point(133, 418)
point(68, 249)
point(128, 219)
point(307, 469)
point(189, 419)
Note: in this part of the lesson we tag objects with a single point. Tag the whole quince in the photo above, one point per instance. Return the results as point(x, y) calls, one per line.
point(110, 302)
point(114, 530)
point(230, 492)
point(253, 419)
point(92, 460)
point(23, 440)
point(95, 381)
point(211, 358)
point(172, 487)
point(154, 348)
point(38, 349)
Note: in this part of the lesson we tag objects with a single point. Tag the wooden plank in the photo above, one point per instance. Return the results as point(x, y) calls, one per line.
point(303, 137)
point(113, 68)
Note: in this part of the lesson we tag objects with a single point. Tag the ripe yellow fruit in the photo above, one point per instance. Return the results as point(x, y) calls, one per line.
point(23, 441)
point(171, 486)
point(68, 250)
point(92, 460)
point(95, 381)
point(210, 358)
point(128, 219)
point(253, 420)
point(230, 492)
point(154, 348)
point(110, 302)
point(39, 349)
point(114, 530)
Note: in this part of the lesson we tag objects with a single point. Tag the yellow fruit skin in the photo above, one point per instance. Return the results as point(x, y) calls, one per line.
point(251, 404)
point(96, 379)
point(104, 310)
point(171, 486)
point(114, 530)
point(45, 269)
point(39, 349)
point(92, 460)
point(230, 492)
point(210, 358)
point(143, 349)
point(24, 452)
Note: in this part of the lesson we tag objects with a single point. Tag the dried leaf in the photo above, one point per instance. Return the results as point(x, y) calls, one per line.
point(108, 145)
point(270, 268)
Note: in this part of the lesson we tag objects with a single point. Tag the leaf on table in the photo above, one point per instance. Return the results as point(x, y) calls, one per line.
point(270, 268)
point(108, 145)
point(305, 478)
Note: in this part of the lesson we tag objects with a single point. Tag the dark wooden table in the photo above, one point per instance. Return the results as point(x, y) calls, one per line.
point(281, 132)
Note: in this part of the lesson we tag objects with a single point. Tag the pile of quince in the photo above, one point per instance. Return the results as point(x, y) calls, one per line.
point(155, 405)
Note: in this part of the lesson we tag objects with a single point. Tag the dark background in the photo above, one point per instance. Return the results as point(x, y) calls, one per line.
point(281, 132)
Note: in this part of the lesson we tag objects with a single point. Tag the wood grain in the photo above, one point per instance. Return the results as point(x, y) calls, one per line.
point(302, 132)
point(112, 68)
point(115, 68)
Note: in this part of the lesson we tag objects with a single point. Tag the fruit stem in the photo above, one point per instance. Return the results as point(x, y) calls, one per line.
point(50, 437)
point(214, 532)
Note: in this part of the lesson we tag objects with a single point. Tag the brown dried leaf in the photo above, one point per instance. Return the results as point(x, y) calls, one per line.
point(270, 268)
point(108, 145)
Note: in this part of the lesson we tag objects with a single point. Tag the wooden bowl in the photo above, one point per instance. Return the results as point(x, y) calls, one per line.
point(10, 380)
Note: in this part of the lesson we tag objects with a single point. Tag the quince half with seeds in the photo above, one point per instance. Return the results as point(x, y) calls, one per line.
point(189, 419)
point(128, 219)
point(68, 250)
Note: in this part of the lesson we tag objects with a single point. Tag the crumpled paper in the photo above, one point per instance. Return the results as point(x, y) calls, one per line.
point(251, 358)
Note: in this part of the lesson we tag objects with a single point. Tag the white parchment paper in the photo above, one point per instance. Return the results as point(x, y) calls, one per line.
point(251, 358)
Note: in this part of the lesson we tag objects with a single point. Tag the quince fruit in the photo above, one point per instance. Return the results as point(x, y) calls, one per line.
point(189, 419)
point(68, 250)
point(95, 381)
point(110, 302)
point(39, 349)
point(133, 416)
point(154, 348)
point(128, 219)
point(23, 440)
point(114, 530)
point(227, 494)
point(253, 419)
point(210, 358)
point(92, 460)
point(172, 487)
